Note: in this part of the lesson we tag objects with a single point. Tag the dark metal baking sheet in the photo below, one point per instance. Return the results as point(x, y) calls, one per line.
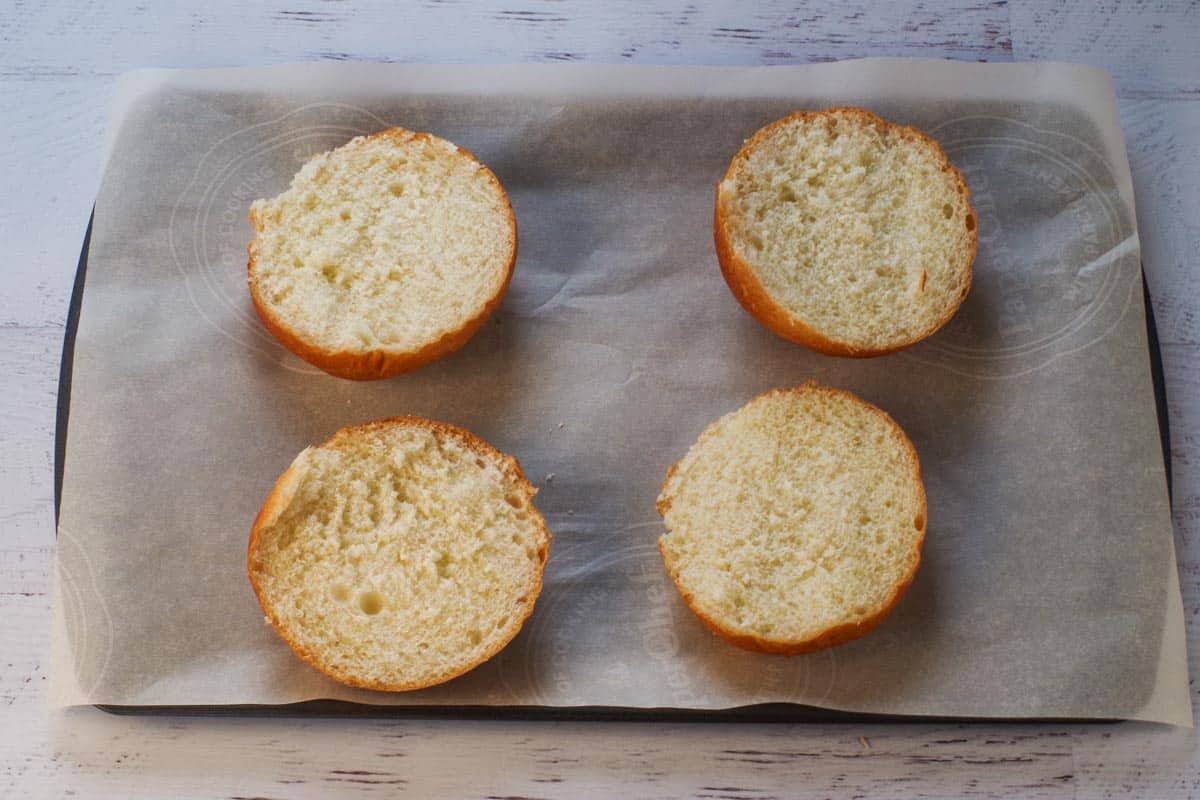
point(770, 712)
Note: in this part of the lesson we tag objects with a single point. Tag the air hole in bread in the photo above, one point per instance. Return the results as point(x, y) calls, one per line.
point(370, 603)
point(474, 637)
point(970, 222)
point(947, 211)
point(340, 592)
point(515, 501)
point(919, 522)
point(445, 566)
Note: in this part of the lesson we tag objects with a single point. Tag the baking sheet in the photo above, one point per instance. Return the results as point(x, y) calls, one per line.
point(1048, 587)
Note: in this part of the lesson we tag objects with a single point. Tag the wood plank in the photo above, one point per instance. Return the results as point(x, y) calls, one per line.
point(56, 76)
point(49, 168)
point(1150, 48)
point(108, 38)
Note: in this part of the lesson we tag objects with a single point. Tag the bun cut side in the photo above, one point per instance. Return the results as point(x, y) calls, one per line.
point(796, 522)
point(845, 233)
point(398, 554)
point(383, 254)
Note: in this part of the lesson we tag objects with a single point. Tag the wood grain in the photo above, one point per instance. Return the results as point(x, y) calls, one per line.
point(49, 171)
point(108, 38)
point(57, 65)
point(1149, 48)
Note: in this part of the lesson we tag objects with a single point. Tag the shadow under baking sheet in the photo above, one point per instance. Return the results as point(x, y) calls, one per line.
point(769, 712)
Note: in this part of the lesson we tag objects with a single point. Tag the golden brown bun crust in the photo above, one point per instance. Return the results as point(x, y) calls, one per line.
point(371, 365)
point(281, 494)
point(837, 634)
point(748, 289)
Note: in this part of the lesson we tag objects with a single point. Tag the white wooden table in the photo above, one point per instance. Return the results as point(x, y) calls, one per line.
point(57, 71)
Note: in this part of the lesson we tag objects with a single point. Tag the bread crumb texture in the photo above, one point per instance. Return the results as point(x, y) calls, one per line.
point(796, 522)
point(399, 554)
point(389, 242)
point(857, 229)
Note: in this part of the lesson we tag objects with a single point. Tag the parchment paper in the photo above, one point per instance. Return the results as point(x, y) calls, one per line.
point(1048, 586)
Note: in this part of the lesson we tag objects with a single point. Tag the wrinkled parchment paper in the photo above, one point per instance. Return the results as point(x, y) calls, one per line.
point(1048, 586)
